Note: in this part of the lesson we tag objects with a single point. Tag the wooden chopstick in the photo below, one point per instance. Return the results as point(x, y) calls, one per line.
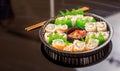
point(42, 23)
point(35, 26)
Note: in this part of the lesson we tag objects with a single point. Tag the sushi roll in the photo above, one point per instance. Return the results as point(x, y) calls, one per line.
point(90, 27)
point(50, 28)
point(90, 34)
point(69, 48)
point(46, 36)
point(73, 19)
point(92, 43)
point(58, 44)
point(101, 26)
point(70, 20)
point(105, 34)
point(89, 18)
point(78, 46)
point(63, 34)
point(68, 16)
point(79, 16)
point(61, 28)
point(60, 20)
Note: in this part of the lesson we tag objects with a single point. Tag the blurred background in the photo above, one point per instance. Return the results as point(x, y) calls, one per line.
point(20, 50)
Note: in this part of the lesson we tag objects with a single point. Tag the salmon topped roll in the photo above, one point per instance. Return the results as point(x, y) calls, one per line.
point(58, 44)
point(78, 46)
point(92, 43)
point(50, 28)
point(101, 26)
point(90, 27)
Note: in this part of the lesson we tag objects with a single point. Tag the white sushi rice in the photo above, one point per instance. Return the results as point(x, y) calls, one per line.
point(78, 45)
point(68, 47)
point(61, 28)
point(89, 18)
point(105, 34)
point(90, 27)
point(59, 42)
point(50, 28)
point(92, 43)
point(101, 26)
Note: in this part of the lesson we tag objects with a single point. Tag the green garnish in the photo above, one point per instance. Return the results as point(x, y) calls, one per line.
point(93, 36)
point(101, 39)
point(62, 21)
point(69, 22)
point(93, 20)
point(87, 39)
point(83, 40)
point(67, 12)
point(73, 12)
point(62, 13)
point(57, 36)
point(80, 23)
point(79, 11)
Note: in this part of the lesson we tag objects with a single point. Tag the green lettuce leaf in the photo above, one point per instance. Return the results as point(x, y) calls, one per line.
point(101, 39)
point(57, 36)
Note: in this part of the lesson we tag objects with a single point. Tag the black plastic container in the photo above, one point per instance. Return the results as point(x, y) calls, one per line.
point(76, 59)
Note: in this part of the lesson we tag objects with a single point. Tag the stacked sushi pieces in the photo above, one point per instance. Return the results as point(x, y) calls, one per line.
point(56, 36)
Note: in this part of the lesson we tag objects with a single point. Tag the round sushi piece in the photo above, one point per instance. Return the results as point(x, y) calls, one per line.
point(92, 43)
point(63, 34)
point(105, 34)
point(90, 27)
point(89, 18)
point(50, 28)
point(101, 26)
point(78, 46)
point(79, 16)
point(68, 16)
point(61, 28)
point(73, 19)
point(60, 20)
point(69, 48)
point(58, 44)
point(46, 35)
point(90, 34)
